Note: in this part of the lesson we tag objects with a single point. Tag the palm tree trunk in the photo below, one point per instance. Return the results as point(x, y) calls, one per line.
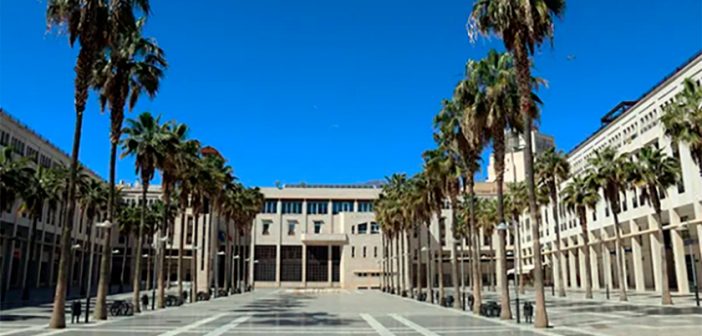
point(524, 89)
point(193, 260)
point(408, 265)
point(123, 271)
point(666, 298)
point(161, 255)
point(136, 281)
point(181, 246)
point(418, 275)
point(106, 260)
point(493, 269)
point(440, 270)
point(586, 252)
point(382, 262)
point(476, 264)
point(401, 260)
point(501, 272)
point(30, 253)
point(430, 272)
point(559, 253)
point(211, 269)
point(619, 254)
point(454, 276)
point(83, 70)
point(227, 258)
point(518, 264)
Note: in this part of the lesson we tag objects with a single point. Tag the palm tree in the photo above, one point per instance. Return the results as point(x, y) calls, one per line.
point(35, 194)
point(93, 200)
point(682, 120)
point(14, 176)
point(144, 141)
point(579, 195)
point(128, 225)
point(612, 173)
point(131, 66)
point(185, 158)
point(552, 169)
point(85, 22)
point(523, 25)
point(654, 172)
point(487, 220)
point(516, 203)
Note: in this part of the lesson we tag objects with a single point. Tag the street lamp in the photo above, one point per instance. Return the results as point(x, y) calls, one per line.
point(504, 227)
point(684, 228)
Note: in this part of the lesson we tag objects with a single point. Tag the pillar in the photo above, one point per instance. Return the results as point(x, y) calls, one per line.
point(555, 269)
point(656, 244)
point(582, 262)
point(607, 266)
point(304, 266)
point(698, 216)
point(595, 255)
point(564, 266)
point(277, 263)
point(329, 265)
point(676, 238)
point(636, 251)
point(252, 249)
point(572, 267)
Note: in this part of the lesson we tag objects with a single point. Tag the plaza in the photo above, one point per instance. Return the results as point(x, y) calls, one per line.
point(367, 312)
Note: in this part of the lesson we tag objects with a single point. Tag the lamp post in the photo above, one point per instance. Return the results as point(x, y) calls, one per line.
point(685, 230)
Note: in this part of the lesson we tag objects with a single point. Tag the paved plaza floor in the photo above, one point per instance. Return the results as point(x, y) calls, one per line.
point(352, 312)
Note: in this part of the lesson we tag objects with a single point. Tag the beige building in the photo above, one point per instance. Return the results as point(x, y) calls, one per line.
point(630, 126)
point(514, 155)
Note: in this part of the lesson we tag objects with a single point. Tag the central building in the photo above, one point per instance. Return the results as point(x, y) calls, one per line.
point(312, 236)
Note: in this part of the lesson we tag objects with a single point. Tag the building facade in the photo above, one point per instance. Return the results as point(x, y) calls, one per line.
point(629, 127)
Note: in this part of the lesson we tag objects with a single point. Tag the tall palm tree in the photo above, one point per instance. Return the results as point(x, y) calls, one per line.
point(127, 220)
point(552, 169)
point(523, 25)
point(654, 172)
point(487, 220)
point(144, 141)
point(612, 174)
point(516, 203)
point(682, 120)
point(93, 200)
point(132, 65)
point(35, 194)
point(86, 23)
point(579, 195)
point(186, 157)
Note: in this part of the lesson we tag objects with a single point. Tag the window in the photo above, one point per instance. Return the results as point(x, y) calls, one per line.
point(44, 161)
point(342, 206)
point(266, 227)
point(32, 154)
point(375, 228)
point(353, 229)
point(594, 214)
point(676, 155)
point(363, 228)
point(318, 227)
point(353, 251)
point(270, 206)
point(442, 231)
point(189, 233)
point(365, 206)
point(291, 227)
point(364, 251)
point(375, 251)
point(17, 146)
point(292, 207)
point(317, 207)
point(4, 138)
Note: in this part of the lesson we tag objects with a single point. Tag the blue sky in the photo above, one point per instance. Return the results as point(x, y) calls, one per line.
point(338, 91)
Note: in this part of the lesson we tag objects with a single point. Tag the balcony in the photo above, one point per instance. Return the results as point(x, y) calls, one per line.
point(324, 239)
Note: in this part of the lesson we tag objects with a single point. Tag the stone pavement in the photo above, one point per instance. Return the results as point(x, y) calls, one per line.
point(355, 312)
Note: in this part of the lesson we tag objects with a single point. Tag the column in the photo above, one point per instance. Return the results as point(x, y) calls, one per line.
point(698, 216)
point(656, 245)
point(679, 254)
point(582, 262)
point(607, 266)
point(329, 265)
point(252, 255)
point(304, 266)
point(637, 255)
point(572, 267)
point(564, 266)
point(595, 255)
point(277, 264)
point(555, 269)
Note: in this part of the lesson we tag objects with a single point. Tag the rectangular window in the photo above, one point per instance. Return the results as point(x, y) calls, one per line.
point(342, 206)
point(375, 251)
point(4, 138)
point(363, 228)
point(365, 206)
point(292, 207)
point(189, 233)
point(291, 227)
point(364, 251)
point(266, 227)
point(318, 227)
point(353, 251)
point(32, 154)
point(375, 228)
point(270, 206)
point(317, 207)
